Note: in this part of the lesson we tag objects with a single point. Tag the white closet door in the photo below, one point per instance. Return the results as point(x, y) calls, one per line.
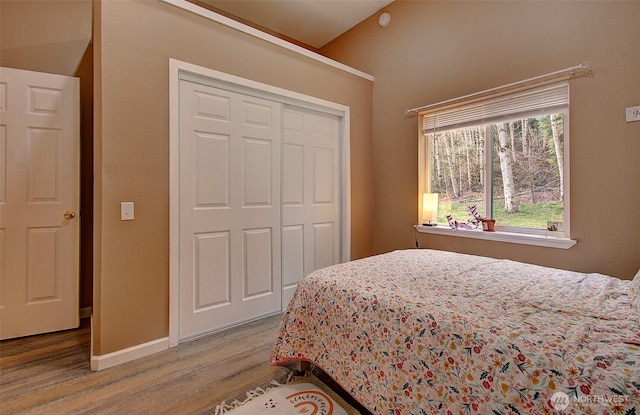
point(310, 194)
point(230, 269)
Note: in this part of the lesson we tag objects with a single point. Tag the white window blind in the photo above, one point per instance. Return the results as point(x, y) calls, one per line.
point(528, 103)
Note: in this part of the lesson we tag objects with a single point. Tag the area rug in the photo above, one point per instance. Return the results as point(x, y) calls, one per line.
point(305, 396)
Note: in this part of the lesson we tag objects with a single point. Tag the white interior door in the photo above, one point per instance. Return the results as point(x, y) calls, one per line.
point(311, 230)
point(39, 202)
point(230, 269)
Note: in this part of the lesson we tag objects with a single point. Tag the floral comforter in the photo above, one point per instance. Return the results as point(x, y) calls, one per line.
point(431, 332)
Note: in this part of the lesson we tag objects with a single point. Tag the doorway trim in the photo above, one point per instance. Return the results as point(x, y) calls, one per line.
point(179, 70)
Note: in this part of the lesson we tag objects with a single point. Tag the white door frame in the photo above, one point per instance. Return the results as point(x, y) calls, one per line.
point(186, 71)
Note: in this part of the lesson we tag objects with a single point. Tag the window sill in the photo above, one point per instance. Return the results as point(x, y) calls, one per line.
point(500, 236)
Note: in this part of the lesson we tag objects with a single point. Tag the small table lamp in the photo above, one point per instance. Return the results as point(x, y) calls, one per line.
point(430, 209)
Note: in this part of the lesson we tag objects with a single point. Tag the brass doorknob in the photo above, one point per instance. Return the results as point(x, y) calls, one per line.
point(69, 214)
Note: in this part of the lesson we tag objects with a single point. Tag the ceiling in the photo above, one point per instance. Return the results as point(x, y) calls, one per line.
point(309, 22)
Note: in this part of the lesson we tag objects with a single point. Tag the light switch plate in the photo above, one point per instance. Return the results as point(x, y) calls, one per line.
point(633, 113)
point(126, 211)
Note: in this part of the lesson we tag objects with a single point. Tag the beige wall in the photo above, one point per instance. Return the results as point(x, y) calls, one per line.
point(133, 43)
point(433, 51)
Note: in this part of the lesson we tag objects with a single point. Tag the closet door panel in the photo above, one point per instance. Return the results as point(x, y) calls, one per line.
point(211, 170)
point(230, 232)
point(258, 264)
point(323, 245)
point(292, 255)
point(212, 277)
point(311, 194)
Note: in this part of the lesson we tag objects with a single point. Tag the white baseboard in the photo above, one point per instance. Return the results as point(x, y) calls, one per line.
point(126, 355)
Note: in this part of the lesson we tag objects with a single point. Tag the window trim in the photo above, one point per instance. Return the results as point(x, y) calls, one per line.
point(530, 236)
point(500, 236)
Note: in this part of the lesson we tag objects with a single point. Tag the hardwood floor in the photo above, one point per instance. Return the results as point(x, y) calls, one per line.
point(50, 374)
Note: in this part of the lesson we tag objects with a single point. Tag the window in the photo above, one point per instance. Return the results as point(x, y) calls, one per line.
point(506, 154)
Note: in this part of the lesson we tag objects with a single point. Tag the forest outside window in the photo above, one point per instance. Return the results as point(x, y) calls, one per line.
point(506, 154)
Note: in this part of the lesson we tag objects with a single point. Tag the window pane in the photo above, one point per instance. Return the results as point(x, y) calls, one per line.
point(457, 171)
point(527, 171)
point(507, 148)
point(527, 177)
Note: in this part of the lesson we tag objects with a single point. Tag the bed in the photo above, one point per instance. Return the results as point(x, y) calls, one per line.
point(431, 332)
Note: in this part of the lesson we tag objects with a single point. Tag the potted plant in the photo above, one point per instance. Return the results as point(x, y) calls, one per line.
point(488, 225)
